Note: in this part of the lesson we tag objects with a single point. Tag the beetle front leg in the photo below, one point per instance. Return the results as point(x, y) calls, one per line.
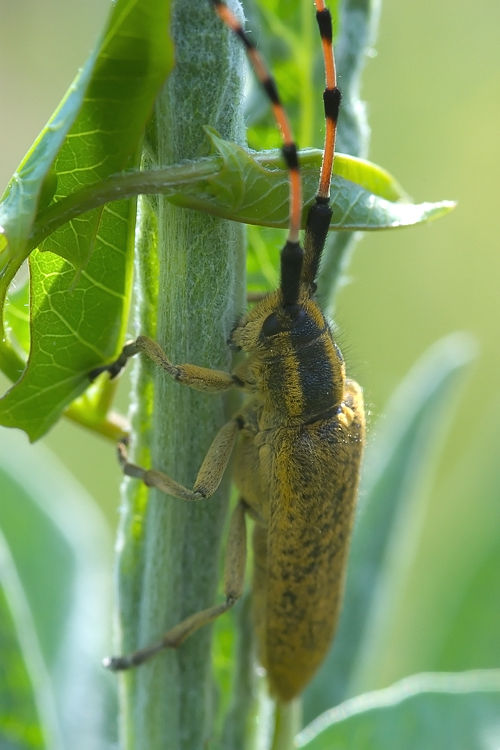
point(234, 578)
point(199, 378)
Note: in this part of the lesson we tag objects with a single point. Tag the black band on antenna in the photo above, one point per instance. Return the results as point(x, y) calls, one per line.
point(292, 257)
point(324, 19)
point(317, 226)
point(331, 100)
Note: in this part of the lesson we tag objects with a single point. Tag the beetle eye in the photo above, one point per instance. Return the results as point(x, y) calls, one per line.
point(272, 325)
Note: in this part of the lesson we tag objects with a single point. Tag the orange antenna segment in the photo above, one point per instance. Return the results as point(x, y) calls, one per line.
point(269, 85)
point(331, 98)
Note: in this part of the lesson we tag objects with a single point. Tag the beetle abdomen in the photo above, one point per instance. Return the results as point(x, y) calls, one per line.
point(312, 497)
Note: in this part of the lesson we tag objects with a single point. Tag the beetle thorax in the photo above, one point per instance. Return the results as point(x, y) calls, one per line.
point(294, 366)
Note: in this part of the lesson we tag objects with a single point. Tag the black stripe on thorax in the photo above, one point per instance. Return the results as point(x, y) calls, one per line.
point(316, 375)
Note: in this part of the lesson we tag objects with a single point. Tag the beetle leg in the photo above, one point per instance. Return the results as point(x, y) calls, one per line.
point(200, 378)
point(209, 476)
point(234, 577)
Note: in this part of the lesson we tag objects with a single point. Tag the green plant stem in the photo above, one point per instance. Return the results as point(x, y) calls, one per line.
point(243, 713)
point(188, 298)
point(287, 725)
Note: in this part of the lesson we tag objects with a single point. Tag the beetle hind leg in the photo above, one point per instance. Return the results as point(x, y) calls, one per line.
point(234, 578)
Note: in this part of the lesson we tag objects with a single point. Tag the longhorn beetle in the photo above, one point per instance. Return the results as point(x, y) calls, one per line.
point(298, 439)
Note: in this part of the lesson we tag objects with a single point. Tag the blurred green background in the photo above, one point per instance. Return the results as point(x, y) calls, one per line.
point(432, 88)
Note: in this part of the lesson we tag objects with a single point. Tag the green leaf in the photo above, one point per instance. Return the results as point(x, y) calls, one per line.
point(107, 108)
point(74, 328)
point(17, 317)
point(423, 712)
point(472, 635)
point(398, 462)
point(62, 550)
point(254, 188)
point(27, 714)
point(242, 187)
point(369, 176)
point(78, 318)
point(459, 605)
point(399, 469)
point(134, 59)
point(21, 198)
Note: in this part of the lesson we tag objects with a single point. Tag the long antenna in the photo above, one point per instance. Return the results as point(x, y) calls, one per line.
point(320, 214)
point(292, 254)
point(331, 99)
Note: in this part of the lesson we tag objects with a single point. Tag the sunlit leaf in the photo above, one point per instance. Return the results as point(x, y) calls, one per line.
point(80, 308)
point(17, 315)
point(254, 188)
point(73, 330)
point(21, 199)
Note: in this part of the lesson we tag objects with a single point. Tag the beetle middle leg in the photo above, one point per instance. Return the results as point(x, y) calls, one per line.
point(234, 578)
point(209, 476)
